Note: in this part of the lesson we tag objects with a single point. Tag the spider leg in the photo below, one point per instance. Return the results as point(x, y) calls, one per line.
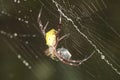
point(60, 20)
point(59, 29)
point(78, 62)
point(46, 25)
point(38, 19)
point(59, 39)
point(42, 28)
point(73, 62)
point(69, 62)
point(66, 35)
point(59, 24)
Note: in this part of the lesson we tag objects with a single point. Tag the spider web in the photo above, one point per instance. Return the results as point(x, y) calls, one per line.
point(89, 24)
point(84, 6)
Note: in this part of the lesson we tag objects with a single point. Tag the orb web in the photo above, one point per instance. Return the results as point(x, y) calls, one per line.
point(85, 20)
point(93, 9)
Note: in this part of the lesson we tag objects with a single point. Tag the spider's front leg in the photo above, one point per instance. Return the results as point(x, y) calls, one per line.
point(59, 30)
point(42, 28)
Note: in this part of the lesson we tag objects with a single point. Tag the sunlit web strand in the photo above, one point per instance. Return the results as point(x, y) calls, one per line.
point(102, 55)
point(18, 55)
point(12, 35)
point(21, 48)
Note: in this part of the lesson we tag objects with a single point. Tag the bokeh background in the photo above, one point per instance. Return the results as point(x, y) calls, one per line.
point(94, 25)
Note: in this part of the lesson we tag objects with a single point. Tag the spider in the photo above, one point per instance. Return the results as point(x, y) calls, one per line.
point(52, 39)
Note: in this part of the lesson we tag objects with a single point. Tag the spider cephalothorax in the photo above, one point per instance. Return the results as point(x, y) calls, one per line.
point(52, 39)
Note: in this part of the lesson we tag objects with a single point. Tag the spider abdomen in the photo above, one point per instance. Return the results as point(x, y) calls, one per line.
point(51, 37)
